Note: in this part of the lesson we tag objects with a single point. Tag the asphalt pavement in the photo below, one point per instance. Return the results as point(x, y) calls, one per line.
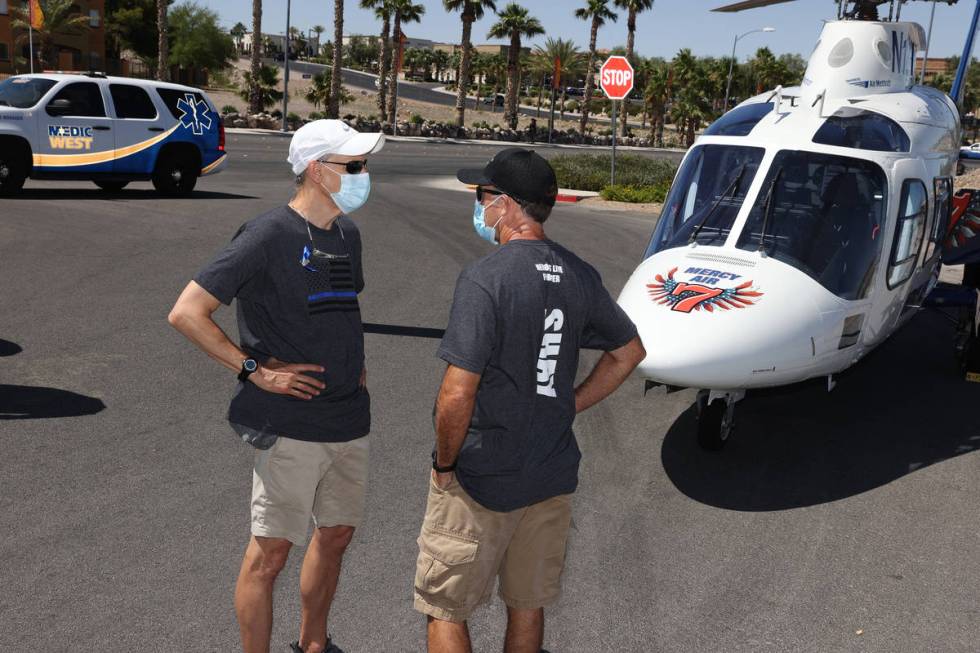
point(831, 522)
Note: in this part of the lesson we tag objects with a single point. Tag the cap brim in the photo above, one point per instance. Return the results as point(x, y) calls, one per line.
point(474, 177)
point(362, 144)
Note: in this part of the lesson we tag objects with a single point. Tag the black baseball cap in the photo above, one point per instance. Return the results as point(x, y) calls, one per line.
point(523, 174)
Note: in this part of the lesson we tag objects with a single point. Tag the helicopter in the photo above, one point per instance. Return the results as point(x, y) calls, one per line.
point(806, 225)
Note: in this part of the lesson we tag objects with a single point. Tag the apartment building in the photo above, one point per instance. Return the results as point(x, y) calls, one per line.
point(83, 49)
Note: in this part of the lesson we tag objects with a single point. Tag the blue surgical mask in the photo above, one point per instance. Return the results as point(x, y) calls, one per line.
point(485, 232)
point(353, 193)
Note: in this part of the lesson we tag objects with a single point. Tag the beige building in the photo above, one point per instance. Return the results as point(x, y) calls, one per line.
point(82, 50)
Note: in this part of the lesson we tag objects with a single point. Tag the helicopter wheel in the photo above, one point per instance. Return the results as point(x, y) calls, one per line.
point(716, 420)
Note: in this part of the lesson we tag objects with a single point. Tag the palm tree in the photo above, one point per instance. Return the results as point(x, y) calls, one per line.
point(60, 17)
point(440, 60)
point(255, 93)
point(655, 95)
point(472, 10)
point(262, 86)
point(634, 7)
point(496, 67)
point(514, 22)
point(403, 11)
point(162, 42)
point(382, 11)
point(238, 32)
point(598, 12)
point(570, 59)
point(318, 30)
point(319, 91)
point(333, 107)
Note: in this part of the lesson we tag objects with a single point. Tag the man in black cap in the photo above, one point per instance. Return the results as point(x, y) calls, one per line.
point(506, 461)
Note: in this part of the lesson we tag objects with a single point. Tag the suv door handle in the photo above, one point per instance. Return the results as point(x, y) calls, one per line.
point(101, 128)
point(155, 129)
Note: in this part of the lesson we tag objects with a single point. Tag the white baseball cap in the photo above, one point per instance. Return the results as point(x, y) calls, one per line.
point(321, 137)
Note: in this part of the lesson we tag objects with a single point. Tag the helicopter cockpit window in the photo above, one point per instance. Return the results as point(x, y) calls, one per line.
point(909, 232)
point(863, 131)
point(706, 196)
point(822, 214)
point(740, 121)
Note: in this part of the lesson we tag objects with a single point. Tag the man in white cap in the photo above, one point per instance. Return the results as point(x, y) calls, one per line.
point(301, 399)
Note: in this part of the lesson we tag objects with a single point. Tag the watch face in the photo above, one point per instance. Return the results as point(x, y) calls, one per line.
point(250, 365)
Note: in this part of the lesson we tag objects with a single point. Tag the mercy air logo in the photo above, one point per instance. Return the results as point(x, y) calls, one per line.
point(67, 137)
point(194, 114)
point(698, 293)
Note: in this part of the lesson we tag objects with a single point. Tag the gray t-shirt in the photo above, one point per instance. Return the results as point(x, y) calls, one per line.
point(298, 306)
point(519, 318)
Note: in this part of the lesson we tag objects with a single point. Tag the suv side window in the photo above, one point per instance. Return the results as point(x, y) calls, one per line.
point(909, 231)
point(172, 96)
point(132, 102)
point(85, 97)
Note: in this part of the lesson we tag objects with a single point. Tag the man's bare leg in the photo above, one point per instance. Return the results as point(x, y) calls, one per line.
point(318, 583)
point(525, 631)
point(264, 559)
point(448, 637)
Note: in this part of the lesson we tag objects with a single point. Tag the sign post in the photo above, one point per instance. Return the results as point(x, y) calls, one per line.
point(616, 81)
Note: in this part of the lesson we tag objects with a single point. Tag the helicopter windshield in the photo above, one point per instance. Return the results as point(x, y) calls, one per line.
point(825, 218)
point(706, 196)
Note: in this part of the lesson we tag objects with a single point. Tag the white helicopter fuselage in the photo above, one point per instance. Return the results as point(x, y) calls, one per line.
point(798, 237)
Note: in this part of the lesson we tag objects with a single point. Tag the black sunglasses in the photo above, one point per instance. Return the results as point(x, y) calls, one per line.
point(353, 167)
point(481, 191)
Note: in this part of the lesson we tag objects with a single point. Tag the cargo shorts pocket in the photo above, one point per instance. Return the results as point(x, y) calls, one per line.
point(445, 575)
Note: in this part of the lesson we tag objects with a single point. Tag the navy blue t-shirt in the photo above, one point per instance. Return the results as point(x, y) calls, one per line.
point(300, 307)
point(519, 318)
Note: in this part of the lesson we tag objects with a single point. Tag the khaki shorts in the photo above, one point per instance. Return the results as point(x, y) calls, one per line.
point(465, 547)
point(294, 480)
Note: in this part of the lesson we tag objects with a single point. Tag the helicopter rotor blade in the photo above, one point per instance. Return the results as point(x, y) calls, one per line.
point(749, 4)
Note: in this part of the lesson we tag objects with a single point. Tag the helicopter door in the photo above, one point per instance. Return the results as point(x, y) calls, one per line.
point(904, 272)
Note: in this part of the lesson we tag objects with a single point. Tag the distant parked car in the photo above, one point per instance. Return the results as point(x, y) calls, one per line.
point(496, 101)
point(572, 90)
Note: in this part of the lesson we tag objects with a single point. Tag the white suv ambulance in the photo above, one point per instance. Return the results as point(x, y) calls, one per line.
point(110, 130)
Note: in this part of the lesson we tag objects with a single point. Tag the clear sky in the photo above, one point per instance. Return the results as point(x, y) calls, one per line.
point(670, 26)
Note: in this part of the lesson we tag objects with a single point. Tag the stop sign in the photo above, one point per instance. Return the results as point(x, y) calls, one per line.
point(616, 78)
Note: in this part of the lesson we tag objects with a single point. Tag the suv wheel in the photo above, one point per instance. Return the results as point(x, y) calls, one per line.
point(112, 186)
point(175, 176)
point(12, 173)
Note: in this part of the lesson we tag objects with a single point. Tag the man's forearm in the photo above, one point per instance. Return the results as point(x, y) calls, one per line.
point(453, 414)
point(203, 332)
point(608, 374)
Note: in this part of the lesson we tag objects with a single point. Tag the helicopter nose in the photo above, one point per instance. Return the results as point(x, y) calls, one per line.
point(723, 326)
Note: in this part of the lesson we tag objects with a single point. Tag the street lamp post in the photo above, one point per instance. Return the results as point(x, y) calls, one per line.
point(285, 79)
point(731, 64)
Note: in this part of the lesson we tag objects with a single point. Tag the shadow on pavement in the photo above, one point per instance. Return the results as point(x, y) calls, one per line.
point(8, 348)
point(125, 194)
point(903, 408)
point(28, 402)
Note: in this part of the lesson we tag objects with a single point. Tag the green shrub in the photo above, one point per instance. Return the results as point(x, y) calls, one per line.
point(591, 171)
point(225, 110)
point(636, 194)
point(416, 119)
point(316, 115)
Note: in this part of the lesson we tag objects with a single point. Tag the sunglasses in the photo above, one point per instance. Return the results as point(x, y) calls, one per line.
point(353, 167)
point(481, 192)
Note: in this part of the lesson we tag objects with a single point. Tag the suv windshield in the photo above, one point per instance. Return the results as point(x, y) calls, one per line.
point(23, 92)
point(825, 218)
point(706, 196)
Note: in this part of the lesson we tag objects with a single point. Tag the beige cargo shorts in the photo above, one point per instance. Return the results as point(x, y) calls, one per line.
point(464, 548)
point(295, 480)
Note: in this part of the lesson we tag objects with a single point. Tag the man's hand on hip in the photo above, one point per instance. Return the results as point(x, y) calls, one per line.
point(288, 378)
point(443, 480)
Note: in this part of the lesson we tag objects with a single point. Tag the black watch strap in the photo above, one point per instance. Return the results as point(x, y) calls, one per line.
point(443, 470)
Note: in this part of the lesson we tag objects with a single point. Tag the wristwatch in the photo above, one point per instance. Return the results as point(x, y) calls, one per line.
point(249, 365)
point(443, 470)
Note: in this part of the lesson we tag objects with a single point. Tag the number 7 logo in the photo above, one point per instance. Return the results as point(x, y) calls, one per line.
point(701, 294)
